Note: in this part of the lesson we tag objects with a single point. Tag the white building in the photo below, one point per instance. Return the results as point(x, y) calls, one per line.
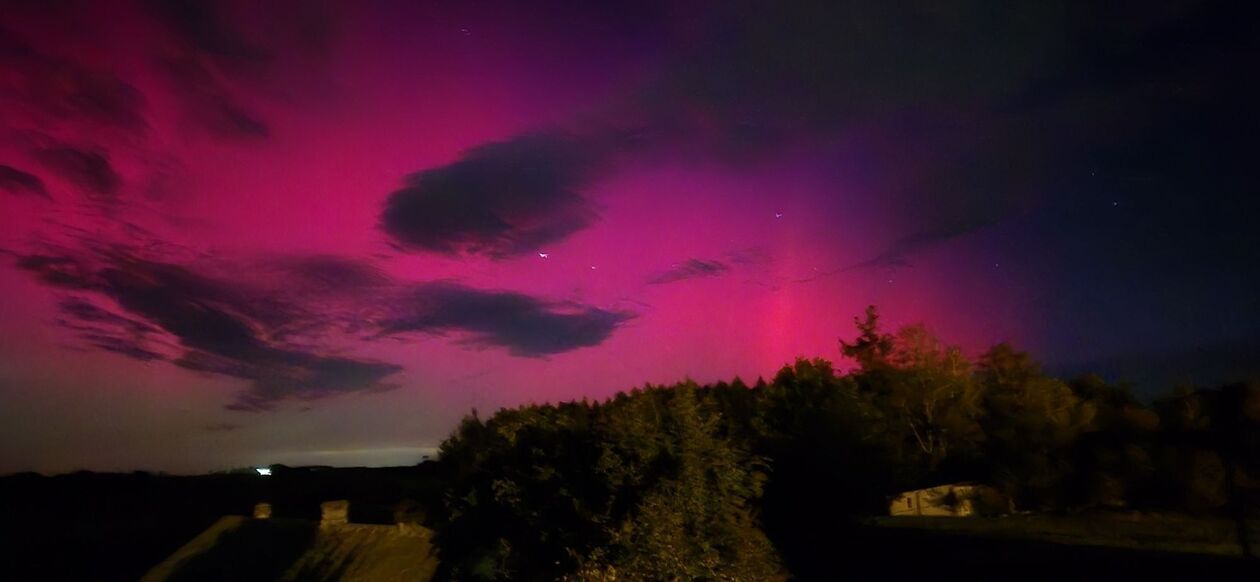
point(953, 500)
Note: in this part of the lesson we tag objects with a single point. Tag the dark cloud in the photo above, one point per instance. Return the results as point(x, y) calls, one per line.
point(224, 340)
point(277, 375)
point(88, 169)
point(897, 254)
point(172, 298)
point(221, 57)
point(208, 99)
point(966, 184)
point(15, 181)
point(524, 325)
point(331, 274)
point(87, 312)
point(219, 327)
point(229, 119)
point(129, 347)
point(217, 57)
point(145, 309)
point(59, 271)
point(204, 27)
point(499, 200)
point(65, 89)
point(105, 98)
point(815, 64)
point(103, 329)
point(750, 80)
point(739, 87)
point(691, 269)
point(749, 256)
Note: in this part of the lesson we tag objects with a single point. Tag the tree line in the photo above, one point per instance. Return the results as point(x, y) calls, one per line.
point(731, 482)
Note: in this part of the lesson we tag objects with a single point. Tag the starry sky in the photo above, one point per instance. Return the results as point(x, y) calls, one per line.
point(237, 233)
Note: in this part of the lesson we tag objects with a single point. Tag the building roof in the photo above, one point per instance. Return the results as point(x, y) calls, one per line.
point(241, 548)
point(960, 484)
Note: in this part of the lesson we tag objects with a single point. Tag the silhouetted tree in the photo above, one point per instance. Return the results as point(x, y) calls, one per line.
point(643, 486)
point(924, 394)
point(1030, 421)
point(705, 482)
point(872, 347)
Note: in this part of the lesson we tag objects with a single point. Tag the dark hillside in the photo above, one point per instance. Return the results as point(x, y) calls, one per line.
point(90, 526)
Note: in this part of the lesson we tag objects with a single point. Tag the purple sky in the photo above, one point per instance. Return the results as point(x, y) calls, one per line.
point(320, 233)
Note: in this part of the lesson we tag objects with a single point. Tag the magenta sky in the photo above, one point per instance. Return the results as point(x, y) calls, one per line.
point(319, 234)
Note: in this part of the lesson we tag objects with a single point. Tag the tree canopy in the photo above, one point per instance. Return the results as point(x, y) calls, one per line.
point(725, 481)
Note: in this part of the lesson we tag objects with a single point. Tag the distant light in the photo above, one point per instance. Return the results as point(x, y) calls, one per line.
point(544, 255)
point(264, 471)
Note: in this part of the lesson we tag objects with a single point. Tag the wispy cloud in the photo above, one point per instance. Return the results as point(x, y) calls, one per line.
point(267, 326)
point(215, 326)
point(690, 269)
point(18, 182)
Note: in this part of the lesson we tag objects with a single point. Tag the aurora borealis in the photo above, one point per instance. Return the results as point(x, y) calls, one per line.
point(322, 232)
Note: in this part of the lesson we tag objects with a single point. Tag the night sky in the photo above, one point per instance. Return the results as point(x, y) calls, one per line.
point(321, 233)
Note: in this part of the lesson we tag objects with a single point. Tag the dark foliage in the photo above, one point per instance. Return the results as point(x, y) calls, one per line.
point(735, 482)
point(719, 482)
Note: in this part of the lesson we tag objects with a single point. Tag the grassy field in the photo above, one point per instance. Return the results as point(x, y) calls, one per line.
point(115, 527)
point(1135, 531)
point(244, 549)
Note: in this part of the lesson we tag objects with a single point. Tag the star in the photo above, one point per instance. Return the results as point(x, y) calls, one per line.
point(778, 215)
point(544, 255)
